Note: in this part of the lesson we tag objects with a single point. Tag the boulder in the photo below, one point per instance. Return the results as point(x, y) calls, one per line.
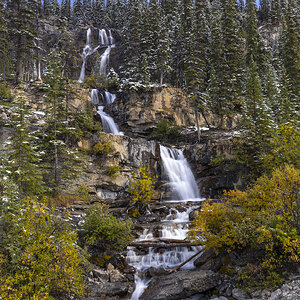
point(180, 285)
point(109, 289)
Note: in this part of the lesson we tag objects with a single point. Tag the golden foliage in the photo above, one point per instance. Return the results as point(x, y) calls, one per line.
point(266, 216)
point(39, 259)
point(142, 186)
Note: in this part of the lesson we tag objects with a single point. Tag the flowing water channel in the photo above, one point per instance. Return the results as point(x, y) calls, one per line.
point(174, 227)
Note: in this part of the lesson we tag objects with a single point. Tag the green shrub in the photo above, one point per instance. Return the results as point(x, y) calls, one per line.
point(142, 186)
point(101, 228)
point(103, 148)
point(113, 171)
point(165, 130)
point(265, 218)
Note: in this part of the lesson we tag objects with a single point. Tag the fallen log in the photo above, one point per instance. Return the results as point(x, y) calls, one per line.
point(161, 244)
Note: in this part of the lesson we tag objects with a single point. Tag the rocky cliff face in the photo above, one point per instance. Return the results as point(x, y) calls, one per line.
point(127, 155)
point(140, 112)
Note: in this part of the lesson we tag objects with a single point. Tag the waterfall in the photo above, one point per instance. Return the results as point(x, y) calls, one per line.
point(87, 50)
point(103, 37)
point(109, 125)
point(109, 98)
point(94, 96)
point(104, 60)
point(181, 178)
point(175, 226)
point(111, 39)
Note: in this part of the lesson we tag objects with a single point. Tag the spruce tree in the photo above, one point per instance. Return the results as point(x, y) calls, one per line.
point(233, 52)
point(60, 162)
point(23, 155)
point(290, 48)
point(23, 34)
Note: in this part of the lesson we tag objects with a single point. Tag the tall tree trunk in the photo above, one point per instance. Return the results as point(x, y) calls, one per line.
point(197, 123)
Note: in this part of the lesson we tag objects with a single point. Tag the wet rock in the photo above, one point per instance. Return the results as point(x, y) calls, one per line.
point(109, 289)
point(239, 294)
point(180, 285)
point(148, 218)
point(119, 262)
point(154, 272)
point(101, 274)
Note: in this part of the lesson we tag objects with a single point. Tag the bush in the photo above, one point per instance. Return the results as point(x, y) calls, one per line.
point(101, 228)
point(38, 255)
point(113, 171)
point(103, 148)
point(142, 186)
point(265, 217)
point(165, 130)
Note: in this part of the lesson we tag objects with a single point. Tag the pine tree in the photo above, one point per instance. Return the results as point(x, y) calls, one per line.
point(66, 9)
point(217, 89)
point(233, 52)
point(99, 13)
point(275, 12)
point(257, 115)
point(23, 155)
point(77, 13)
point(60, 162)
point(23, 34)
point(290, 48)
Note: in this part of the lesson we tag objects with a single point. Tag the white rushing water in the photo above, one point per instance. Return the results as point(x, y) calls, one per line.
point(174, 226)
point(108, 124)
point(104, 60)
point(103, 37)
point(95, 96)
point(87, 50)
point(109, 98)
point(181, 177)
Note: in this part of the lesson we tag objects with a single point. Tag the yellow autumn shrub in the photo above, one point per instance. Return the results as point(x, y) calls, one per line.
point(265, 217)
point(39, 258)
point(142, 186)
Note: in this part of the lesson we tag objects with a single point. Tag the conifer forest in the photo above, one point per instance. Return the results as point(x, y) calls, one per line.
point(149, 149)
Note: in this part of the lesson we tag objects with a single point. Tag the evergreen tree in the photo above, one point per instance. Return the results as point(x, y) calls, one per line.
point(99, 13)
point(233, 52)
point(60, 162)
point(77, 13)
point(217, 89)
point(66, 9)
point(290, 48)
point(275, 12)
point(257, 115)
point(23, 34)
point(23, 155)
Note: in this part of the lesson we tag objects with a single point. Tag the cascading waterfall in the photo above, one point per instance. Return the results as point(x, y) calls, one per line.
point(181, 178)
point(87, 50)
point(109, 125)
point(104, 60)
point(109, 97)
point(103, 37)
point(95, 96)
point(175, 225)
